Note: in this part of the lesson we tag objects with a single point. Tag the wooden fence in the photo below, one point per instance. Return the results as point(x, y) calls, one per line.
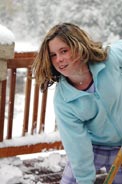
point(23, 60)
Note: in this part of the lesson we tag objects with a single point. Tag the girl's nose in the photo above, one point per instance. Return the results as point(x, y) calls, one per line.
point(59, 58)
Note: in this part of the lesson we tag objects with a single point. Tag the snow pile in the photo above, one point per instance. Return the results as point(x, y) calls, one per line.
point(6, 36)
point(9, 169)
point(53, 162)
point(8, 172)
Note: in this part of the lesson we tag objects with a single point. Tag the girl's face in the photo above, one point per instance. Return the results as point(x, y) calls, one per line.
point(61, 58)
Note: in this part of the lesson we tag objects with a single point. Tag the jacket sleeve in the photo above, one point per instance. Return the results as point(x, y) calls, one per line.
point(116, 51)
point(77, 143)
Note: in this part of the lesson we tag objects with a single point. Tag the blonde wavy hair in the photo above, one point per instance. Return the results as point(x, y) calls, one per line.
point(77, 39)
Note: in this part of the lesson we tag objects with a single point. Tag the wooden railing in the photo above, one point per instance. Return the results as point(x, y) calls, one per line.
point(23, 60)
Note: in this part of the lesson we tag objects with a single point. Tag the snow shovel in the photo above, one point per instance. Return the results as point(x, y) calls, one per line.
point(114, 168)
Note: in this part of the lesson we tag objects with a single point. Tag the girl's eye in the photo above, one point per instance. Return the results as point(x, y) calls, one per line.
point(52, 55)
point(64, 51)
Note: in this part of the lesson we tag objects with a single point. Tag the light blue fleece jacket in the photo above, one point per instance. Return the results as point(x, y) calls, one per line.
point(91, 118)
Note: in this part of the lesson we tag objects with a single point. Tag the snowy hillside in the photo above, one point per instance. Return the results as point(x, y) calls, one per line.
point(29, 20)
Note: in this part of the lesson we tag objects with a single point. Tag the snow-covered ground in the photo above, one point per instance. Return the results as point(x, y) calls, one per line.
point(41, 168)
point(29, 169)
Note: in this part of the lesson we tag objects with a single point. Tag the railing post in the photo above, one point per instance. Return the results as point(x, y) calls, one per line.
point(6, 52)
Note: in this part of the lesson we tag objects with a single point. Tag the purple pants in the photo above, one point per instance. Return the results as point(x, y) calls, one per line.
point(103, 157)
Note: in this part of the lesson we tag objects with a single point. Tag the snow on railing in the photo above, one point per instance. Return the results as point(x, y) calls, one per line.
point(31, 139)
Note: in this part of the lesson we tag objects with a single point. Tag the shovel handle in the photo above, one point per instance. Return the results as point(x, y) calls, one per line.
point(114, 168)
